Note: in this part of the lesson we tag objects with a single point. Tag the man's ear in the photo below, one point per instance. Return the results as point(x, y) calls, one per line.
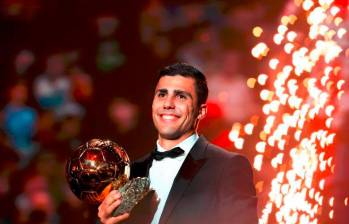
point(202, 111)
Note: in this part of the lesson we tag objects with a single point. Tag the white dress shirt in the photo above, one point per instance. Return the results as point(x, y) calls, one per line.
point(163, 172)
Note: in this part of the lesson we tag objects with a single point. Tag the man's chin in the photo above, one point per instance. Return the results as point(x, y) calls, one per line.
point(170, 136)
point(174, 135)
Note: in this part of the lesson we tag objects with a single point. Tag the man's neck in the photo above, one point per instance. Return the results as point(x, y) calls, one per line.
point(171, 143)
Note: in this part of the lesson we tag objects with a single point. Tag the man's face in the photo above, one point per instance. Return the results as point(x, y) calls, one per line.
point(175, 111)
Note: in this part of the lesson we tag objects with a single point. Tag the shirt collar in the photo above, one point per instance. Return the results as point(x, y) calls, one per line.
point(187, 144)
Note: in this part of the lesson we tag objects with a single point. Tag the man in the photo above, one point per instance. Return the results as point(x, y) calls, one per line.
point(204, 183)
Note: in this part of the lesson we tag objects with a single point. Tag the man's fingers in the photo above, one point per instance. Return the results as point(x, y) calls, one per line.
point(117, 219)
point(109, 200)
point(113, 196)
point(107, 207)
point(109, 210)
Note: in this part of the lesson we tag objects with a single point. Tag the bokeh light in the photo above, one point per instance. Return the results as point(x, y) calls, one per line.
point(300, 89)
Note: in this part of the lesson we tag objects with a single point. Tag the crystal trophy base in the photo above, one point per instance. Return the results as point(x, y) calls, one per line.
point(132, 192)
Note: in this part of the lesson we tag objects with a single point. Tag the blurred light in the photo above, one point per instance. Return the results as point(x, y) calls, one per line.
point(299, 112)
point(292, 19)
point(322, 184)
point(248, 128)
point(329, 109)
point(331, 201)
point(239, 143)
point(291, 36)
point(258, 161)
point(285, 20)
point(329, 122)
point(234, 132)
point(340, 94)
point(317, 16)
point(266, 109)
point(330, 214)
point(334, 10)
point(307, 4)
point(260, 50)
point(263, 135)
point(338, 21)
point(257, 31)
point(278, 38)
point(251, 82)
point(266, 95)
point(340, 83)
point(282, 29)
point(330, 34)
point(325, 3)
point(260, 147)
point(262, 79)
point(274, 106)
point(288, 48)
point(273, 63)
point(323, 29)
point(341, 32)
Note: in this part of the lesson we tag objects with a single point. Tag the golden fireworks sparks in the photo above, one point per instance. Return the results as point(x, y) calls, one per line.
point(300, 92)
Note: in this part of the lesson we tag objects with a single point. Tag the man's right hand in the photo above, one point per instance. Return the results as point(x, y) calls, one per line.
point(106, 208)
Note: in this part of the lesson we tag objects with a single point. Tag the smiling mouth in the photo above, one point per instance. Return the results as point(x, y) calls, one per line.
point(168, 117)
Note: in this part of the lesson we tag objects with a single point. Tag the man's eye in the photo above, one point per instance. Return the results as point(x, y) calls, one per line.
point(161, 94)
point(181, 96)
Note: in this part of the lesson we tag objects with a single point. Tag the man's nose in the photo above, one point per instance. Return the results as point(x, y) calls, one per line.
point(169, 103)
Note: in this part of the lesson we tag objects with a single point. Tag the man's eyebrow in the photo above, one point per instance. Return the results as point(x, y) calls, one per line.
point(177, 92)
point(161, 90)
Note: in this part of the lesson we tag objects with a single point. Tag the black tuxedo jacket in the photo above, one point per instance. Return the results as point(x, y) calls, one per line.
point(212, 186)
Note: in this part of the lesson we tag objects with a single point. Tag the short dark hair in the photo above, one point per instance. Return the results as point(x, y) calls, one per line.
point(187, 70)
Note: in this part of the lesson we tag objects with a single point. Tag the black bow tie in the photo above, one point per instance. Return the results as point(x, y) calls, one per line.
point(173, 153)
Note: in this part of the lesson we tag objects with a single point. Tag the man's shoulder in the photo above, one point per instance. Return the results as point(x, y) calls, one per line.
point(215, 151)
point(219, 152)
point(212, 149)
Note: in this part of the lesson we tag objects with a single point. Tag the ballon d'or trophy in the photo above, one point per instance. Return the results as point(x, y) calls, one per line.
point(99, 166)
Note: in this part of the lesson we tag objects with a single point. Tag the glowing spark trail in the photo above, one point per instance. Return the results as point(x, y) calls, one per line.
point(300, 91)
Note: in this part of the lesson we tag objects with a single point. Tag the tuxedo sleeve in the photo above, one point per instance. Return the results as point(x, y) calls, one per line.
point(237, 195)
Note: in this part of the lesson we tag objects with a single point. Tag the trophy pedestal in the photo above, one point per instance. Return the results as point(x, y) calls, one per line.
point(132, 192)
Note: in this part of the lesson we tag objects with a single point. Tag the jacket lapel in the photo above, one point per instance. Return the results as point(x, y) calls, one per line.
point(140, 168)
point(192, 164)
